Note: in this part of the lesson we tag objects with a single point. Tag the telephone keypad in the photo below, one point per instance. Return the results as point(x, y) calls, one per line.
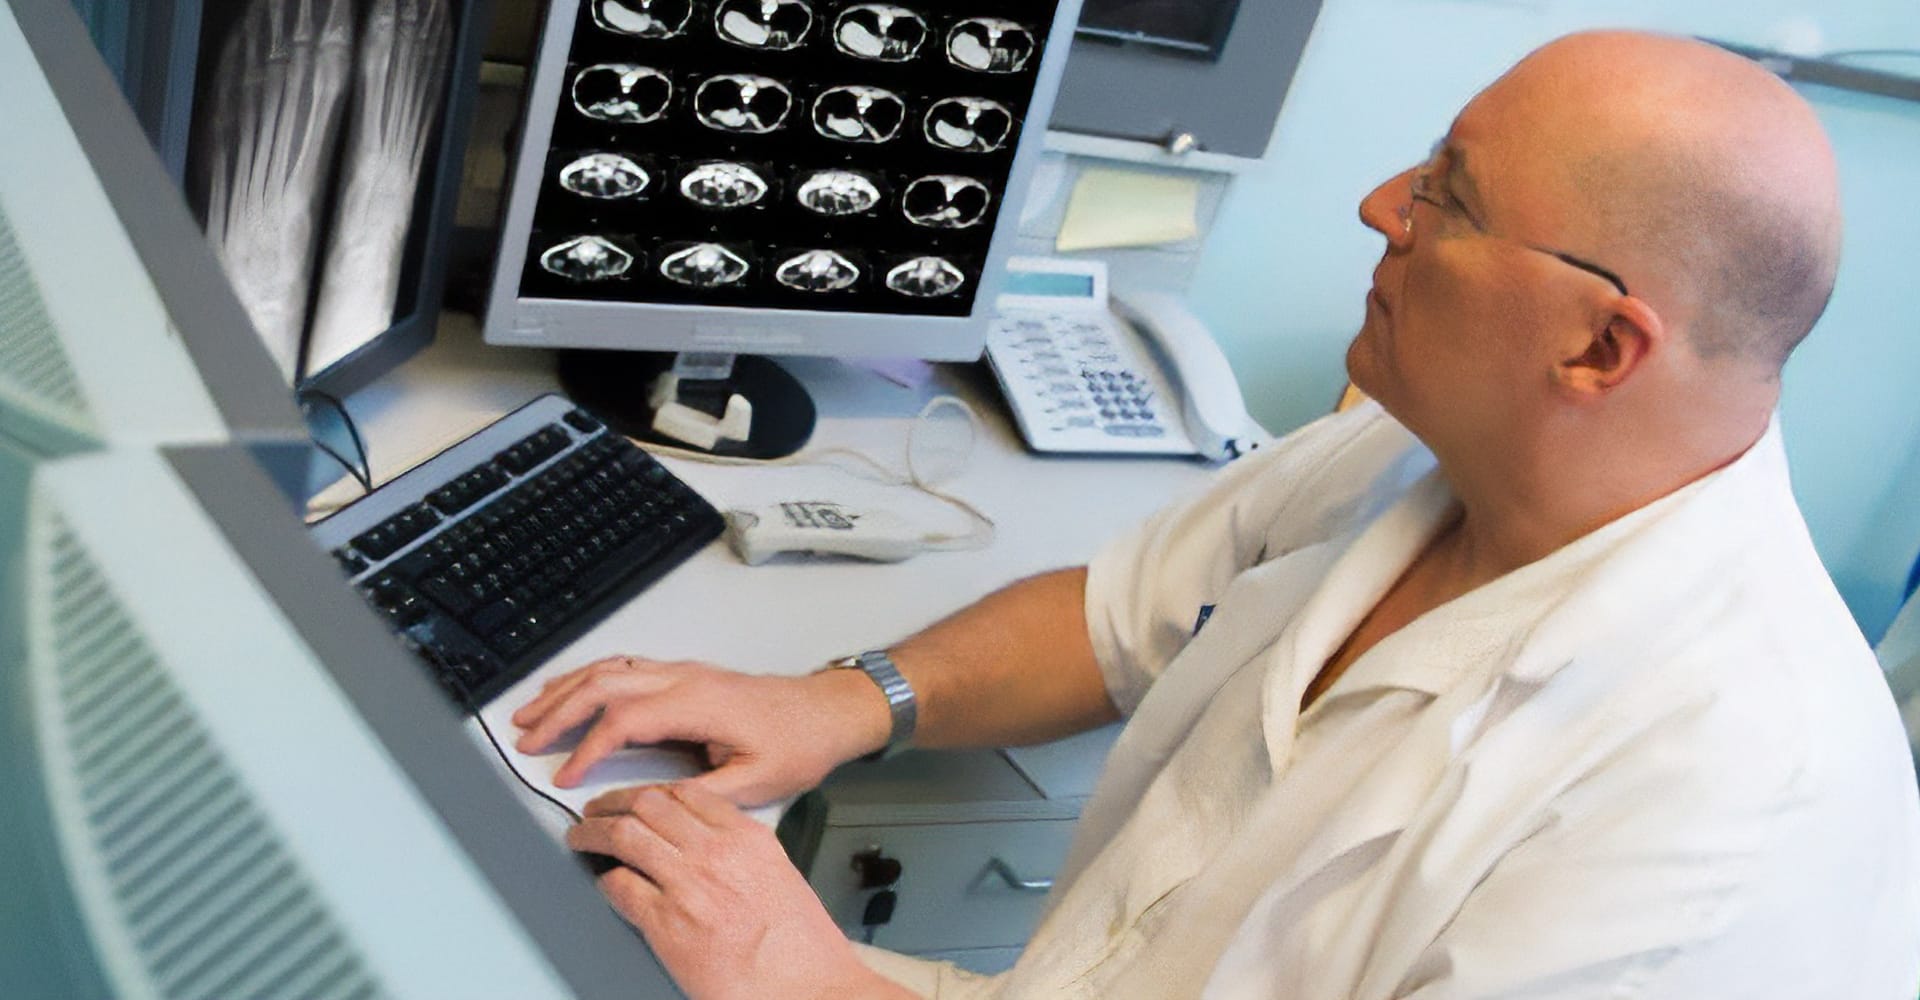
point(1079, 383)
point(1124, 399)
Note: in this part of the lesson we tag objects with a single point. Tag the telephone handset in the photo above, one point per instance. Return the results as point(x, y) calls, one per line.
point(1087, 372)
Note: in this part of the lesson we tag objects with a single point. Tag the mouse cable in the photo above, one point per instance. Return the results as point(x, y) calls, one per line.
point(363, 473)
point(504, 759)
point(366, 486)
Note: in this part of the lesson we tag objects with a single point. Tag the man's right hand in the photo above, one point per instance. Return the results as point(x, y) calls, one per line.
point(767, 737)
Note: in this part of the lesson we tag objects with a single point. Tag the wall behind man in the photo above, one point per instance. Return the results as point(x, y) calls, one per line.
point(1285, 275)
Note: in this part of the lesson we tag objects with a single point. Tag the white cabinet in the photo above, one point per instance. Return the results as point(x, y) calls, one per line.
point(975, 842)
point(949, 893)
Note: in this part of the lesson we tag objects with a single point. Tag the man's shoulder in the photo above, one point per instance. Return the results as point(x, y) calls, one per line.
point(1787, 667)
point(1761, 700)
point(1710, 635)
point(1781, 749)
point(1768, 630)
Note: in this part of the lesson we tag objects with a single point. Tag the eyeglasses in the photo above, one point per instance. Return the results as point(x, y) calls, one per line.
point(1429, 184)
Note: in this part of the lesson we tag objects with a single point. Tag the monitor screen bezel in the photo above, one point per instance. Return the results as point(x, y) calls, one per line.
point(512, 319)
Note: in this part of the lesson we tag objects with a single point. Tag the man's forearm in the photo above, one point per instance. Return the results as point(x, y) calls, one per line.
point(1015, 667)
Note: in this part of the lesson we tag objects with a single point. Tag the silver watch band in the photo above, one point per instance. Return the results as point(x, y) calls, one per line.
point(902, 705)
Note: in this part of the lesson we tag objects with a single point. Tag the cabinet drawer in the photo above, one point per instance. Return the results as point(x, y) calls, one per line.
point(950, 895)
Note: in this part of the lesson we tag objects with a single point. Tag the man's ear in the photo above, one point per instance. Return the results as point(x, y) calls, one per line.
point(1627, 335)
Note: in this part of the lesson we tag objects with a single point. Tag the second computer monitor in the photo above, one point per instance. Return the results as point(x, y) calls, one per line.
point(773, 176)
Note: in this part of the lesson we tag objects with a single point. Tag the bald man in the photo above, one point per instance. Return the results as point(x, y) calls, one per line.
point(1521, 681)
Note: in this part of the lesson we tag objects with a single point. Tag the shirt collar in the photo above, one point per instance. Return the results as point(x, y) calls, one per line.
point(1631, 566)
point(1680, 546)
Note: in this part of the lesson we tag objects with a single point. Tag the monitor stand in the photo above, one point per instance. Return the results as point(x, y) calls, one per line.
point(615, 386)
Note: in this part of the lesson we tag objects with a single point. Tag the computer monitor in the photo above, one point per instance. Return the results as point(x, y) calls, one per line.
point(166, 54)
point(219, 773)
point(345, 362)
point(116, 325)
point(220, 776)
point(772, 177)
point(1191, 27)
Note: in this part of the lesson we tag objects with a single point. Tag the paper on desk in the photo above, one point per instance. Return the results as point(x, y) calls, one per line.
point(1128, 208)
point(336, 495)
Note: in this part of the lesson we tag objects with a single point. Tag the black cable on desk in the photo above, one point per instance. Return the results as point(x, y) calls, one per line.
point(362, 473)
point(504, 759)
point(366, 484)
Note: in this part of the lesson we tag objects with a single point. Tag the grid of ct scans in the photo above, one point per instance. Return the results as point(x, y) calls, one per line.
point(788, 154)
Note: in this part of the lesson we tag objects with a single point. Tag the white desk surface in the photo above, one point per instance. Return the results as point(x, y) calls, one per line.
point(795, 613)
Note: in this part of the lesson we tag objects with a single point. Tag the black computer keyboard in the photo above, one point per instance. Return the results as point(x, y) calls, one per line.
point(490, 556)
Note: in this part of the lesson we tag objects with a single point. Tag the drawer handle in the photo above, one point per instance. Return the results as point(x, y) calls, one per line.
point(1013, 879)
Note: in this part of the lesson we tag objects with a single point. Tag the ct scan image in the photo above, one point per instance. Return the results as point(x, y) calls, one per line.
point(799, 154)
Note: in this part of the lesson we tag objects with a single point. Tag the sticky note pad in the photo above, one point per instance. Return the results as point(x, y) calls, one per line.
point(1128, 208)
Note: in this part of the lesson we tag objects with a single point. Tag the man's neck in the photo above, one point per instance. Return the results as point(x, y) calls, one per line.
point(1524, 504)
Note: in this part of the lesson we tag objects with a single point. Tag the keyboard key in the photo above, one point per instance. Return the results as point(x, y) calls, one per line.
point(468, 490)
point(513, 641)
point(488, 619)
point(351, 562)
point(396, 532)
point(391, 596)
point(447, 594)
point(533, 449)
point(527, 549)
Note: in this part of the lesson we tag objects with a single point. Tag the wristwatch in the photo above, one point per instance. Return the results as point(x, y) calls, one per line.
point(902, 705)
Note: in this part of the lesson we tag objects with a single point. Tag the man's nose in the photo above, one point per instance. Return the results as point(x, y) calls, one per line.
point(1387, 208)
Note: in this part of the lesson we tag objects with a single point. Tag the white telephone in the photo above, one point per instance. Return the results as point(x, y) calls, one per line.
point(1080, 378)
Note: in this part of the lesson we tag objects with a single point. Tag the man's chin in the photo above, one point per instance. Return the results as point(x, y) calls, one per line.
point(1367, 370)
point(1362, 368)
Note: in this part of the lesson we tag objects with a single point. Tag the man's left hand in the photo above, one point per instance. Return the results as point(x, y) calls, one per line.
point(717, 899)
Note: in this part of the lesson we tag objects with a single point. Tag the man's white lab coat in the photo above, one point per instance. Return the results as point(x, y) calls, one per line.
point(1660, 763)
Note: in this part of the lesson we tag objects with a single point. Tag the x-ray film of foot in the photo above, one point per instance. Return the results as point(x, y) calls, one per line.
point(278, 90)
point(405, 46)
